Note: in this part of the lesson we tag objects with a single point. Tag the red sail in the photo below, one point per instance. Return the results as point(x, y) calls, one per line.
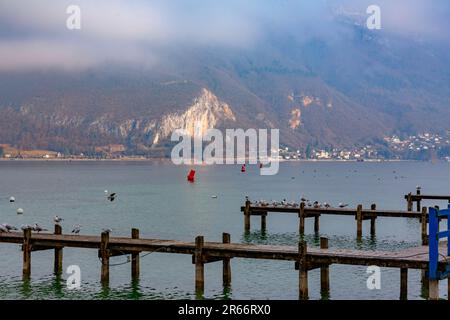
point(243, 168)
point(191, 176)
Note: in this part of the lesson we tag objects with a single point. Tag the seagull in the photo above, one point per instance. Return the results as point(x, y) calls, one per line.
point(38, 228)
point(26, 227)
point(76, 229)
point(107, 230)
point(112, 197)
point(326, 205)
point(57, 219)
point(8, 226)
point(342, 205)
point(304, 199)
point(3, 228)
point(12, 199)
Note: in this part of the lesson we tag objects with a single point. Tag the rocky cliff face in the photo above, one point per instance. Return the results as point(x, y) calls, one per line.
point(207, 110)
point(63, 130)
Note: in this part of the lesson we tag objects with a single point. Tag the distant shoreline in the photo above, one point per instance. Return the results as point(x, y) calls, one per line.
point(167, 160)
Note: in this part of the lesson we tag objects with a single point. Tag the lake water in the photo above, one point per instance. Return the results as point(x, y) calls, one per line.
point(156, 198)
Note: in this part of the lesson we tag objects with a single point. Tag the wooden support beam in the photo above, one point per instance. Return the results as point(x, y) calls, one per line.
point(105, 254)
point(135, 257)
point(26, 248)
point(359, 219)
point(226, 270)
point(448, 288)
point(373, 221)
point(433, 289)
point(247, 214)
point(303, 271)
point(324, 272)
point(316, 223)
point(199, 267)
point(263, 222)
point(58, 263)
point(418, 200)
point(302, 216)
point(403, 283)
point(424, 232)
point(409, 202)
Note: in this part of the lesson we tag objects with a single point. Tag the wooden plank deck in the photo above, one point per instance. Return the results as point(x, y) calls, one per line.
point(258, 210)
point(414, 258)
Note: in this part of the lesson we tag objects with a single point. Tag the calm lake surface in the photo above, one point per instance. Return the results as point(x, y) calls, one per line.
point(156, 198)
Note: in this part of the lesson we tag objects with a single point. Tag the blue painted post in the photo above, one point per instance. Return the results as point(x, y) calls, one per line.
point(433, 276)
point(448, 228)
point(433, 243)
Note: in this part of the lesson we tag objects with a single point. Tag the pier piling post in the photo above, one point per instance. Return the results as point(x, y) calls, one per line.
point(418, 200)
point(263, 221)
point(359, 220)
point(104, 255)
point(226, 263)
point(247, 216)
point(423, 220)
point(316, 224)
point(403, 283)
point(448, 288)
point(199, 267)
point(303, 271)
point(410, 204)
point(324, 272)
point(135, 257)
point(373, 220)
point(26, 248)
point(58, 264)
point(301, 215)
point(433, 289)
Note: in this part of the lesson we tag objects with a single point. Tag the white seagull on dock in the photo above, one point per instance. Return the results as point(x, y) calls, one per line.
point(3, 228)
point(343, 205)
point(38, 228)
point(57, 219)
point(76, 229)
point(8, 226)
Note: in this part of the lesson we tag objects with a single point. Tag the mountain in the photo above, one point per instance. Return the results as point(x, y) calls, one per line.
point(352, 89)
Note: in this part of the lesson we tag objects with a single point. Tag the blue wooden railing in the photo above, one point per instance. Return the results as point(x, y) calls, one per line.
point(435, 215)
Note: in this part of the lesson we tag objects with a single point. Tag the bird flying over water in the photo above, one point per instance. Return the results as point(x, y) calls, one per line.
point(112, 197)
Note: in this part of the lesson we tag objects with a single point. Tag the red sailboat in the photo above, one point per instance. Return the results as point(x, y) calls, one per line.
point(243, 168)
point(191, 176)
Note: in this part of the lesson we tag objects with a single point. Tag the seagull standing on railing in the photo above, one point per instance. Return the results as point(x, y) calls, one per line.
point(8, 226)
point(343, 205)
point(3, 228)
point(38, 228)
point(76, 229)
point(57, 219)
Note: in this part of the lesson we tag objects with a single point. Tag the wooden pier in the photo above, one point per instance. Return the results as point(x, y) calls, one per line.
point(359, 213)
point(418, 197)
point(202, 253)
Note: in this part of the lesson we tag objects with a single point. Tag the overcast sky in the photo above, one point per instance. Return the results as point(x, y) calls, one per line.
point(33, 33)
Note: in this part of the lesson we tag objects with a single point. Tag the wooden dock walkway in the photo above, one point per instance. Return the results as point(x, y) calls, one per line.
point(418, 197)
point(202, 252)
point(359, 213)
